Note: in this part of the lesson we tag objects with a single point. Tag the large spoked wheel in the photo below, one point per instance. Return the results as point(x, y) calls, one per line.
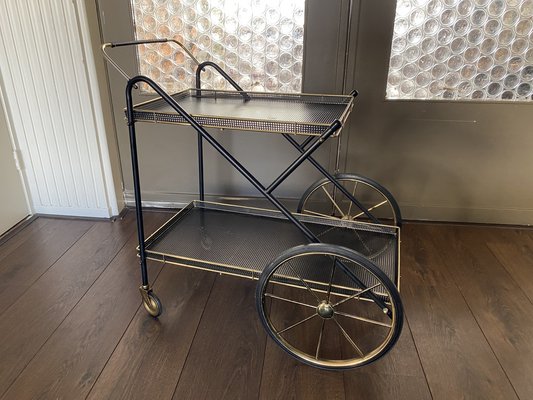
point(324, 199)
point(329, 307)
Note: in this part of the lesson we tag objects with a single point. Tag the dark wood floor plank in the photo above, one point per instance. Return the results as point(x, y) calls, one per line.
point(501, 308)
point(38, 231)
point(68, 364)
point(457, 360)
point(25, 264)
point(28, 323)
point(283, 377)
point(398, 375)
point(524, 232)
point(401, 360)
point(226, 356)
point(514, 250)
point(286, 378)
point(421, 261)
point(365, 385)
point(25, 235)
point(149, 359)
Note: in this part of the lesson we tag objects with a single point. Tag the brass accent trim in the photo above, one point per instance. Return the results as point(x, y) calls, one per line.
point(248, 272)
point(250, 276)
point(272, 95)
point(349, 98)
point(148, 241)
point(169, 258)
point(236, 128)
point(392, 230)
point(265, 212)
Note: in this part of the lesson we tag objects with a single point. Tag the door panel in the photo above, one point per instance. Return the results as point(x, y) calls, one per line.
point(442, 160)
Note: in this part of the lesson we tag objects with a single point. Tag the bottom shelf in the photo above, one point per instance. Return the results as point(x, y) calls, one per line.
point(242, 241)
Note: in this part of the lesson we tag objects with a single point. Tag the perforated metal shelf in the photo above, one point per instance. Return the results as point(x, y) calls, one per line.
point(299, 114)
point(242, 241)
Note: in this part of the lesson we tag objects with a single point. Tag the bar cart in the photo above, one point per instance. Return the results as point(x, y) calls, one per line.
point(328, 274)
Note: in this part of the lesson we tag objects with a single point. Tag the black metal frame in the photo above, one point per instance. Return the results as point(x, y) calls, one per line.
point(199, 69)
point(203, 134)
point(306, 149)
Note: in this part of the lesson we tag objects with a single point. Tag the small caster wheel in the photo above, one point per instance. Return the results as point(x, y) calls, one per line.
point(151, 302)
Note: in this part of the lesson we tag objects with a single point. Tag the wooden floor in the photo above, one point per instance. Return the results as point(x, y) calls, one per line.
point(72, 324)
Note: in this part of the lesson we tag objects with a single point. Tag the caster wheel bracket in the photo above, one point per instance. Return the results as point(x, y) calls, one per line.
point(145, 290)
point(151, 302)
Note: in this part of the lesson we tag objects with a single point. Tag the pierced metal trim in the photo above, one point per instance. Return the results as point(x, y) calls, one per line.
point(308, 123)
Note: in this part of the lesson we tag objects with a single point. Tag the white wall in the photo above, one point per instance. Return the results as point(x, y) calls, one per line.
point(53, 99)
point(14, 205)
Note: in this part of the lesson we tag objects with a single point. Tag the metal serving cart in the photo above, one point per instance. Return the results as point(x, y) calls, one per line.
point(328, 274)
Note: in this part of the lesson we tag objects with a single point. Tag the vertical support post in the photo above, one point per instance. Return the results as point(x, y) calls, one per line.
point(136, 184)
point(201, 167)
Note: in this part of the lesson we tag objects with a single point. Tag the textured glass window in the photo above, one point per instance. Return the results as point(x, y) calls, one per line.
point(259, 43)
point(462, 49)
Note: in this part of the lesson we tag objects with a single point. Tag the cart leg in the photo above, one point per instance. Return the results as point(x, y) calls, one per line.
point(151, 302)
point(201, 167)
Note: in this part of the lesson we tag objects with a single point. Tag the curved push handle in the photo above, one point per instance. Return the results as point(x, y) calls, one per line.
point(201, 67)
point(134, 42)
point(137, 43)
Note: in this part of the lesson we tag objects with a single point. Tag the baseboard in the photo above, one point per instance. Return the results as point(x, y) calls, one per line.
point(521, 217)
point(102, 213)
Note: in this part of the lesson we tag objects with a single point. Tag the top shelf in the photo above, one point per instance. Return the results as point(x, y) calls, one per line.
point(290, 113)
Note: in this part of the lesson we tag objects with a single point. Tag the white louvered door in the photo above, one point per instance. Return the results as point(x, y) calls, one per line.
point(46, 64)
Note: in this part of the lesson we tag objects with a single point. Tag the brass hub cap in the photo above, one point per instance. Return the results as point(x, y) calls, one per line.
point(325, 310)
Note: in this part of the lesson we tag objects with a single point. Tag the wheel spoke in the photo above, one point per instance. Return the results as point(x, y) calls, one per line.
point(357, 295)
point(289, 301)
point(331, 278)
point(369, 209)
point(316, 213)
point(320, 339)
point(353, 195)
point(333, 202)
point(370, 321)
point(296, 324)
point(304, 282)
point(348, 338)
